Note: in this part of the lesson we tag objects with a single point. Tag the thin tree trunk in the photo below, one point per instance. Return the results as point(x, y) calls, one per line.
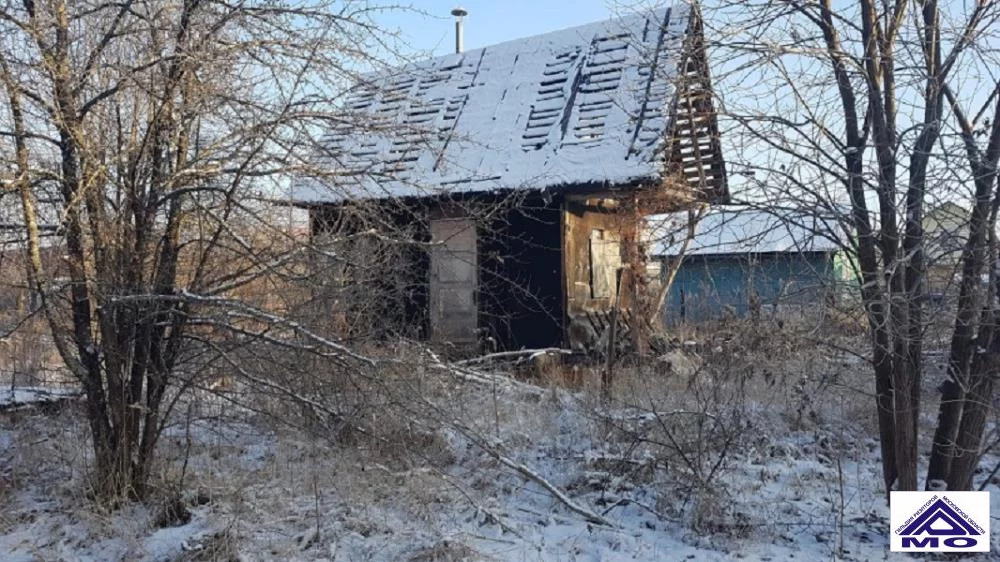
point(694, 216)
point(977, 404)
point(872, 291)
point(982, 223)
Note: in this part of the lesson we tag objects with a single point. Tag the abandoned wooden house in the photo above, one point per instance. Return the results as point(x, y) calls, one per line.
point(527, 167)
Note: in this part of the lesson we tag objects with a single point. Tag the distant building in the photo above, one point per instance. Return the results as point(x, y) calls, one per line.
point(946, 231)
point(741, 261)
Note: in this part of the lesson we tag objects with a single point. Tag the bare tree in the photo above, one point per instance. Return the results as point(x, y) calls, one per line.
point(849, 105)
point(163, 126)
point(966, 395)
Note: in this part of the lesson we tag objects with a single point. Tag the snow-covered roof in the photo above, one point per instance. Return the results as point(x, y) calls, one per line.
point(585, 105)
point(743, 231)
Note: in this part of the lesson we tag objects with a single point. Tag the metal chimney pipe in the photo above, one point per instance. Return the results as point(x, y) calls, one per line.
point(459, 13)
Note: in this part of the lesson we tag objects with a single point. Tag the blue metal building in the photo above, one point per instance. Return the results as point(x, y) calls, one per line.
point(741, 261)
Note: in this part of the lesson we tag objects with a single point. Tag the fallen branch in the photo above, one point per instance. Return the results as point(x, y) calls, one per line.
point(483, 443)
point(16, 398)
point(523, 470)
point(529, 353)
point(481, 378)
point(622, 502)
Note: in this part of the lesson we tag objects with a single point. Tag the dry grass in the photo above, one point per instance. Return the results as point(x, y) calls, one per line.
point(273, 469)
point(29, 358)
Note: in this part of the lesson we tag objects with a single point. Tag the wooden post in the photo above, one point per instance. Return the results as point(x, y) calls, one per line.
point(608, 376)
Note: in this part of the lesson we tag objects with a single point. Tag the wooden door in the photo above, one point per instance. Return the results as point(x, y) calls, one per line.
point(453, 310)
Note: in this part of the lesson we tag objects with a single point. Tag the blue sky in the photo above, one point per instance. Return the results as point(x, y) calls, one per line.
point(491, 21)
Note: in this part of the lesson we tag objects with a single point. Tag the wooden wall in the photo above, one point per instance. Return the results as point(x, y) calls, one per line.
point(597, 236)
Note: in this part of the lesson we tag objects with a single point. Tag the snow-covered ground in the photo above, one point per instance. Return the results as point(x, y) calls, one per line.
point(799, 480)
